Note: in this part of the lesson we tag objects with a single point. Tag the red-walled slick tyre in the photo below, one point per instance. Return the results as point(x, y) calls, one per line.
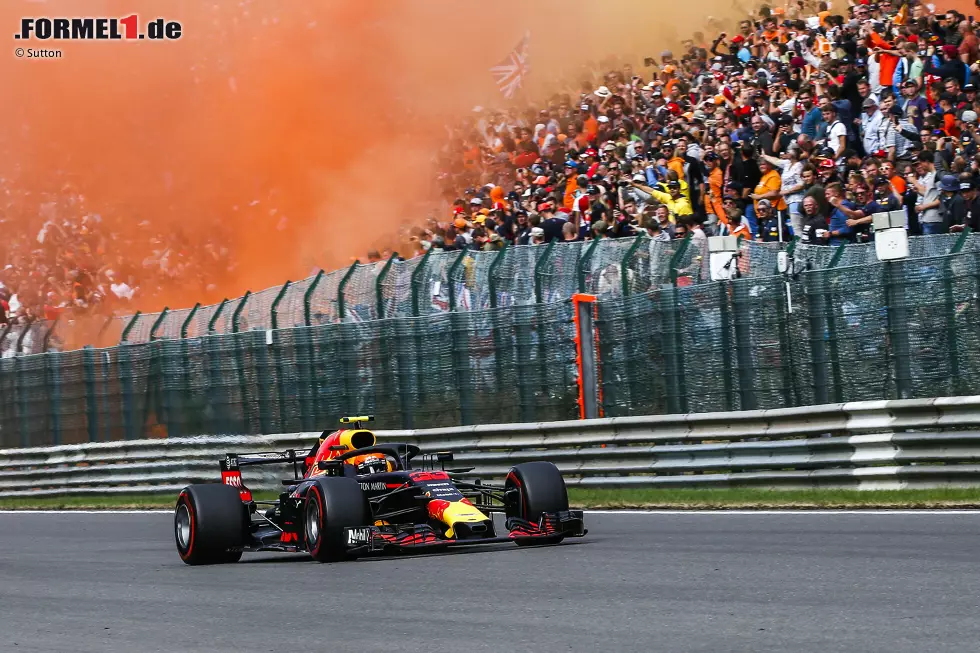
point(210, 524)
point(534, 488)
point(332, 504)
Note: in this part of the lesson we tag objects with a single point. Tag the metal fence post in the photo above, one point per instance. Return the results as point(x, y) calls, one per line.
point(743, 353)
point(21, 402)
point(585, 349)
point(341, 299)
point(20, 339)
point(217, 313)
point(583, 262)
point(726, 344)
point(961, 241)
point(91, 408)
point(673, 351)
point(129, 327)
point(274, 310)
point(187, 398)
point(952, 344)
point(105, 325)
point(52, 370)
point(263, 385)
point(310, 412)
point(106, 421)
point(49, 333)
point(236, 316)
point(495, 317)
point(277, 355)
point(158, 322)
point(834, 342)
point(417, 274)
point(462, 364)
point(676, 258)
point(819, 333)
point(240, 363)
point(449, 281)
point(492, 274)
point(539, 267)
point(898, 327)
point(123, 358)
point(624, 264)
point(187, 322)
point(790, 390)
point(838, 254)
point(307, 297)
point(379, 284)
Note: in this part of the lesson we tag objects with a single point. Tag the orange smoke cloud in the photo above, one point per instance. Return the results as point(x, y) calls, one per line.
point(306, 130)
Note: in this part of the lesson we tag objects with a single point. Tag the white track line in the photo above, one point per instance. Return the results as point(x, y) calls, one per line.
point(794, 511)
point(901, 511)
point(86, 512)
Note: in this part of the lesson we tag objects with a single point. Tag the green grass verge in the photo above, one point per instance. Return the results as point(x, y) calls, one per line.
point(752, 498)
point(687, 499)
point(103, 502)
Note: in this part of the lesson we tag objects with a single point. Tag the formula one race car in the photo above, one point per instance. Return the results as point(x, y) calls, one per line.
point(351, 496)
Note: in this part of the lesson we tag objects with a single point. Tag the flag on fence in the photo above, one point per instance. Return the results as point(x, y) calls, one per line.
point(511, 72)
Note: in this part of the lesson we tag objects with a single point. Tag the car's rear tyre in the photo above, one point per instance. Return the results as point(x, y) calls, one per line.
point(210, 524)
point(333, 503)
point(532, 489)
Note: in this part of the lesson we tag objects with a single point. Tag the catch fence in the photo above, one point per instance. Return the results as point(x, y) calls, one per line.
point(895, 330)
point(442, 282)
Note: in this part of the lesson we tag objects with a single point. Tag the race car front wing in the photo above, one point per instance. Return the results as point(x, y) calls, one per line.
point(550, 527)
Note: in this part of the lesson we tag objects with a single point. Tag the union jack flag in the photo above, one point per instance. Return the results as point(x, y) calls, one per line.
point(511, 72)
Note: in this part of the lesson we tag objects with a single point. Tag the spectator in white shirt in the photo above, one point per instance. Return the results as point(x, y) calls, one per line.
point(870, 123)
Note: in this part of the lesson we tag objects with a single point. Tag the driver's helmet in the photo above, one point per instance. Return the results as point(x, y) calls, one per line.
point(372, 464)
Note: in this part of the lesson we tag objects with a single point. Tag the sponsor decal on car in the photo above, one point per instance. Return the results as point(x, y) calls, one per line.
point(442, 490)
point(378, 485)
point(234, 479)
point(357, 536)
point(418, 477)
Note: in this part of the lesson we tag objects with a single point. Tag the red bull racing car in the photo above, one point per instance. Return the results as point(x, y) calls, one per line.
point(351, 496)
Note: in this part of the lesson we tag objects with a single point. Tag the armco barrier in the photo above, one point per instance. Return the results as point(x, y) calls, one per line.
point(867, 445)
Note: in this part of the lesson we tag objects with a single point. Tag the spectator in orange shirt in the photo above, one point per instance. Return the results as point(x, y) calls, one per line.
point(713, 198)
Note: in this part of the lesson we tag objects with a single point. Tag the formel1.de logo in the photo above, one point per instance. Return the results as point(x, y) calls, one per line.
point(97, 29)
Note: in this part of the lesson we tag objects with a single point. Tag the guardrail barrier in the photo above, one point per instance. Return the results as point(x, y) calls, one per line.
point(865, 445)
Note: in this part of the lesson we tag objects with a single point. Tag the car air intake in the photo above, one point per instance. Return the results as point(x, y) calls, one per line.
point(362, 439)
point(475, 530)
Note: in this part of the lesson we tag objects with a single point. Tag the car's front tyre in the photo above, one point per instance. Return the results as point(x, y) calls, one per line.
point(532, 489)
point(332, 504)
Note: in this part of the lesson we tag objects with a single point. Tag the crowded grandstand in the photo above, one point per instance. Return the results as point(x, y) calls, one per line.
point(798, 122)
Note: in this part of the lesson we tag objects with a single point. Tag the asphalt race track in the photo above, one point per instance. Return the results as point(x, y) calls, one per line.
point(649, 582)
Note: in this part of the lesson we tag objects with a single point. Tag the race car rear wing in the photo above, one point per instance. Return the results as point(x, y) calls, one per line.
point(233, 462)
